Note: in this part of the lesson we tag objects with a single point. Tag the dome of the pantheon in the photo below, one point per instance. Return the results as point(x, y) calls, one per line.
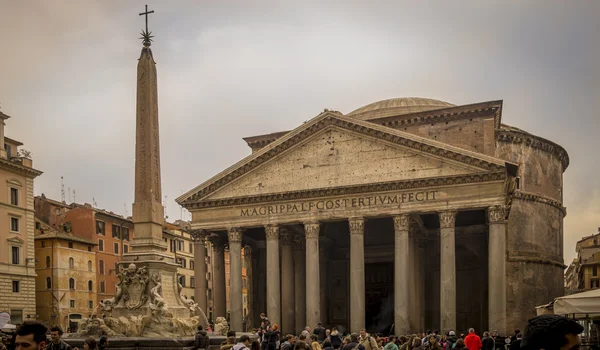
point(398, 106)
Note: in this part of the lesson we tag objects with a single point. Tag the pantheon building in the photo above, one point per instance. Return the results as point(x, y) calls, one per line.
point(409, 213)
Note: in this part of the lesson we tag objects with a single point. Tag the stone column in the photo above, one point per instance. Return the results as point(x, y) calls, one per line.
point(300, 284)
point(447, 272)
point(288, 319)
point(199, 237)
point(249, 287)
point(273, 278)
point(235, 278)
point(323, 289)
point(420, 282)
point(497, 217)
point(402, 282)
point(313, 297)
point(357, 274)
point(219, 290)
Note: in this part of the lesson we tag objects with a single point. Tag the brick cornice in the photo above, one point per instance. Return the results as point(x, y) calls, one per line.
point(522, 137)
point(532, 197)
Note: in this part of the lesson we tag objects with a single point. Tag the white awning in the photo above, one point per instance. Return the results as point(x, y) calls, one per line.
point(580, 303)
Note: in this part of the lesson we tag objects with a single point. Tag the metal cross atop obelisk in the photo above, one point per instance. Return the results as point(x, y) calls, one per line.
point(146, 35)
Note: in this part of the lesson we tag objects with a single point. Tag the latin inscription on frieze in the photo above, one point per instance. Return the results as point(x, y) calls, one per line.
point(346, 203)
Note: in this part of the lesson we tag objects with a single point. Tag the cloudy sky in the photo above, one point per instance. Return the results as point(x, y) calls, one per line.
point(230, 69)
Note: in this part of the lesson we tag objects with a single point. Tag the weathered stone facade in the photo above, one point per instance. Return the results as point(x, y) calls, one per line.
point(400, 191)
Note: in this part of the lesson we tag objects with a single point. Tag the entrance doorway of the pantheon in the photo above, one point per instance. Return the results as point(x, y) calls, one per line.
point(379, 296)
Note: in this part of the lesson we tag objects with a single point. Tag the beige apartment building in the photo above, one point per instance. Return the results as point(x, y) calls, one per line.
point(66, 284)
point(17, 261)
point(583, 273)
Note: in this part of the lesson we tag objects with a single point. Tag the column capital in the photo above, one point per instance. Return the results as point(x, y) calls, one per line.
point(357, 226)
point(447, 218)
point(272, 232)
point(402, 222)
point(286, 236)
point(311, 229)
point(199, 235)
point(498, 214)
point(235, 234)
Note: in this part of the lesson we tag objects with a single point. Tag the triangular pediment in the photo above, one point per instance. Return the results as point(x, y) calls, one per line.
point(15, 241)
point(333, 151)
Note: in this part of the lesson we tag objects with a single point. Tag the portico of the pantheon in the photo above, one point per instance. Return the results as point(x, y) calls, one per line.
point(409, 211)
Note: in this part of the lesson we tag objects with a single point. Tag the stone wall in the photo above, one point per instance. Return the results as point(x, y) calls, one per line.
point(535, 227)
point(23, 301)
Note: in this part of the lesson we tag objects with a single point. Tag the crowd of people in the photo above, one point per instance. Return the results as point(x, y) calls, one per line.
point(547, 332)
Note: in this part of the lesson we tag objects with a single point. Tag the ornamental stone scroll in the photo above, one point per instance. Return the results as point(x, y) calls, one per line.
point(498, 214)
point(235, 234)
point(311, 229)
point(402, 222)
point(357, 226)
point(199, 236)
point(447, 219)
point(272, 232)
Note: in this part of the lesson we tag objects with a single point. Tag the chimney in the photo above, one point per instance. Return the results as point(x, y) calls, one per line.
point(3, 117)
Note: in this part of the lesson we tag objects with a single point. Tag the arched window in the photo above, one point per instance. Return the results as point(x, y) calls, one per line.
point(71, 263)
point(89, 265)
point(48, 283)
point(47, 261)
point(71, 283)
point(191, 264)
point(90, 285)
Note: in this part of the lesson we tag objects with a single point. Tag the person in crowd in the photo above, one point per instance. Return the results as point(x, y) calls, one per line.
point(301, 339)
point(391, 345)
point(450, 340)
point(367, 341)
point(472, 341)
point(425, 339)
point(288, 344)
point(336, 338)
point(328, 334)
point(459, 345)
point(551, 332)
point(345, 341)
point(229, 342)
point(103, 343)
point(243, 343)
point(57, 343)
point(272, 337)
point(327, 345)
point(201, 339)
point(487, 343)
point(320, 332)
point(300, 345)
point(432, 343)
point(306, 333)
point(255, 345)
point(31, 335)
point(417, 343)
point(514, 336)
point(353, 343)
point(315, 345)
point(408, 344)
point(89, 344)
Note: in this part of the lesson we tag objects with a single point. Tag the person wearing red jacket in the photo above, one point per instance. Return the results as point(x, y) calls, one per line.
point(472, 340)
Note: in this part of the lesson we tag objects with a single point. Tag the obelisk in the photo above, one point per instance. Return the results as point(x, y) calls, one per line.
point(148, 249)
